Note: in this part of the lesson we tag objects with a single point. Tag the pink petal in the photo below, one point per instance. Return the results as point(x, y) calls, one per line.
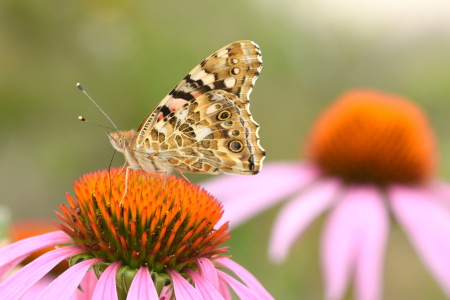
point(355, 237)
point(23, 248)
point(374, 231)
point(208, 271)
point(241, 290)
point(16, 285)
point(427, 225)
point(166, 293)
point(106, 286)
point(246, 277)
point(87, 285)
point(64, 286)
point(298, 214)
point(441, 191)
point(142, 287)
point(37, 288)
point(205, 288)
point(246, 196)
point(6, 267)
point(183, 289)
point(223, 289)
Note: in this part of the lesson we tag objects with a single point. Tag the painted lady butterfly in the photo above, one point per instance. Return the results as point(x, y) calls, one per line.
point(204, 124)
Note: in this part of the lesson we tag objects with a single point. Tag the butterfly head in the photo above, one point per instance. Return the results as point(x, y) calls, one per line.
point(121, 139)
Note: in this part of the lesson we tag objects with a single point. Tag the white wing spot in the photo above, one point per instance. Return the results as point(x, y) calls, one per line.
point(216, 97)
point(182, 115)
point(198, 75)
point(230, 82)
point(235, 60)
point(248, 59)
point(200, 134)
point(208, 79)
point(236, 71)
point(246, 51)
point(213, 108)
point(222, 53)
point(162, 130)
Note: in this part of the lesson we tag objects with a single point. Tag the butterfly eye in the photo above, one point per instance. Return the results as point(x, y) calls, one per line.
point(121, 143)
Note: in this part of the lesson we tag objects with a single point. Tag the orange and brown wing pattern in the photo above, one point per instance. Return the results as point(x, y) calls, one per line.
point(233, 69)
point(204, 124)
point(215, 134)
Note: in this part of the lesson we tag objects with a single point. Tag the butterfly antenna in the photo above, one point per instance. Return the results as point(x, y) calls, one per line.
point(92, 100)
point(84, 120)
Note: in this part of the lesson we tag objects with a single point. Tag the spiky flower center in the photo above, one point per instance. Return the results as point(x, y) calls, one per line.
point(368, 136)
point(160, 223)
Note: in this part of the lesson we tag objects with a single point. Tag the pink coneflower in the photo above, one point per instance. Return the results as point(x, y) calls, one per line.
point(159, 244)
point(26, 228)
point(370, 155)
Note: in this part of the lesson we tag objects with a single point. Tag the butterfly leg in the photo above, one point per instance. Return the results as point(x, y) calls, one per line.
point(126, 182)
point(184, 177)
point(164, 175)
point(123, 167)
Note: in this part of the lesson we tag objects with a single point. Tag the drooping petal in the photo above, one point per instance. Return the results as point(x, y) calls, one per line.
point(246, 277)
point(16, 285)
point(224, 291)
point(142, 287)
point(224, 185)
point(441, 191)
point(298, 214)
point(241, 290)
point(88, 285)
point(427, 225)
point(183, 289)
point(37, 288)
point(374, 231)
point(205, 288)
point(106, 286)
point(65, 285)
point(6, 267)
point(354, 234)
point(208, 271)
point(22, 248)
point(257, 193)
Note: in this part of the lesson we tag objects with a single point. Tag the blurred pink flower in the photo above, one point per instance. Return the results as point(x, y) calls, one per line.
point(368, 156)
point(158, 243)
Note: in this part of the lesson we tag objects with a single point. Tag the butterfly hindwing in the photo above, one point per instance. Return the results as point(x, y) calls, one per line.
point(214, 134)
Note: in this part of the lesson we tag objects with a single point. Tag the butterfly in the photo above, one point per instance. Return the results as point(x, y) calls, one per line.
point(204, 124)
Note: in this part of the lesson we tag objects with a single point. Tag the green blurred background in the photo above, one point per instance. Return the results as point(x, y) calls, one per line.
point(129, 54)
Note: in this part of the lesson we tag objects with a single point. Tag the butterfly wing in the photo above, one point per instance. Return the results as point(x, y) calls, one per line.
point(204, 124)
point(234, 69)
point(214, 134)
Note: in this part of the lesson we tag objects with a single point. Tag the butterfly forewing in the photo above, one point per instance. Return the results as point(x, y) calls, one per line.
point(204, 125)
point(234, 68)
